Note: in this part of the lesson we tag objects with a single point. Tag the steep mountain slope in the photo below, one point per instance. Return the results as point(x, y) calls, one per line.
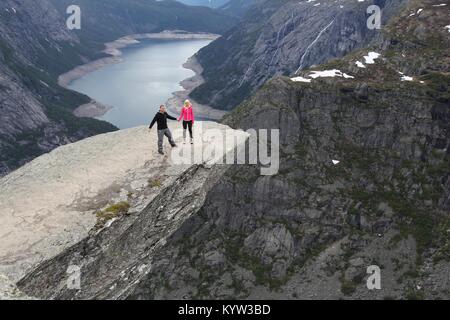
point(311, 231)
point(279, 37)
point(36, 47)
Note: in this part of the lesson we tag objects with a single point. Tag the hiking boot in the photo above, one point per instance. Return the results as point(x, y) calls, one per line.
point(161, 152)
point(192, 141)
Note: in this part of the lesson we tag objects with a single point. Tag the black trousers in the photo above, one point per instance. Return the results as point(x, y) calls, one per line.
point(186, 125)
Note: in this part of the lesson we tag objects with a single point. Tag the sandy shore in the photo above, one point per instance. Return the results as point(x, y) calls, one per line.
point(95, 109)
point(175, 103)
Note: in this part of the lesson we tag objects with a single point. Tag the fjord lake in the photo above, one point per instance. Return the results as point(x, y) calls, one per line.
point(150, 71)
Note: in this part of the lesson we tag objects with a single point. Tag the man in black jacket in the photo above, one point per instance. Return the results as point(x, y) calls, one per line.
point(163, 130)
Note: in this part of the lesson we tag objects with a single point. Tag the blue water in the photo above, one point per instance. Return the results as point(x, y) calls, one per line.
point(148, 75)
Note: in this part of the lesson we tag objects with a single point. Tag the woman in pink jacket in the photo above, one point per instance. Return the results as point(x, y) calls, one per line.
point(187, 115)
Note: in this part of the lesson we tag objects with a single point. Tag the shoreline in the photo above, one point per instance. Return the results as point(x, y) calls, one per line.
point(94, 109)
point(175, 103)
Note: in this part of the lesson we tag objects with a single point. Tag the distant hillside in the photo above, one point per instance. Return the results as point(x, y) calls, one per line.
point(239, 7)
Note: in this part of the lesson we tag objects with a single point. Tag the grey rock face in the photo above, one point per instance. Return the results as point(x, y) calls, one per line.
point(25, 23)
point(21, 22)
point(9, 291)
point(279, 38)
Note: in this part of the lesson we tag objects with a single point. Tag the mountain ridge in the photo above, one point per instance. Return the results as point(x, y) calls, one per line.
point(278, 38)
point(102, 177)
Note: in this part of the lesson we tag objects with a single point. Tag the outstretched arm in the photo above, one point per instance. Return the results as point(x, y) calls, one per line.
point(153, 123)
point(170, 117)
point(181, 115)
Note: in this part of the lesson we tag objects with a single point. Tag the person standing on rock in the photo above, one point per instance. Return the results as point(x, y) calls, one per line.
point(187, 115)
point(163, 130)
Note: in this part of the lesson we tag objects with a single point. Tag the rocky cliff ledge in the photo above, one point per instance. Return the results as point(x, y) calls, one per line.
point(79, 192)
